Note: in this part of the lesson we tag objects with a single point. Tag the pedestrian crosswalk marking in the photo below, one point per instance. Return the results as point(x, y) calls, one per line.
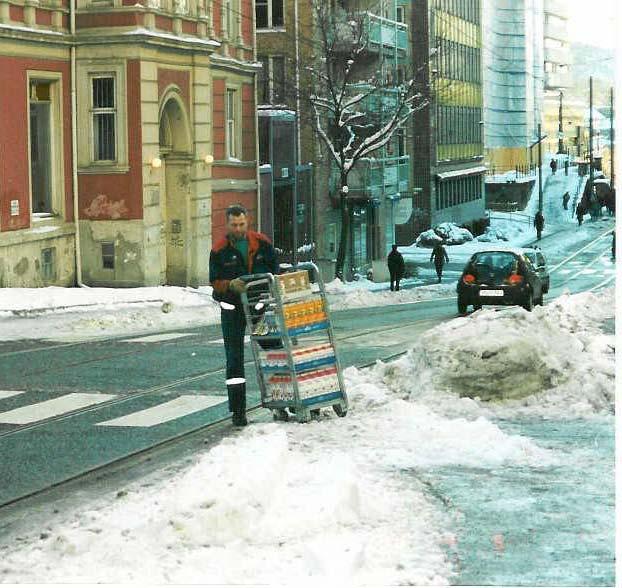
point(168, 411)
point(158, 338)
point(50, 408)
point(9, 393)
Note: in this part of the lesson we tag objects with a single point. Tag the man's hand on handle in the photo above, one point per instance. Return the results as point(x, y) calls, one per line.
point(237, 285)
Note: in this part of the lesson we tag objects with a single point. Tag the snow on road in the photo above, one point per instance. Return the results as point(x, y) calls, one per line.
point(346, 499)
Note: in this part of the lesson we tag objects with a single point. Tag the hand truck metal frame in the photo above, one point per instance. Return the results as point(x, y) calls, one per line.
point(265, 307)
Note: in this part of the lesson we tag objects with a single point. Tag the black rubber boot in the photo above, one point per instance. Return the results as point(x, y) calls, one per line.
point(237, 403)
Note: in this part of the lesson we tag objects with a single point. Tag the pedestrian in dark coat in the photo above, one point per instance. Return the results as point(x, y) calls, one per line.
point(553, 165)
point(538, 222)
point(565, 200)
point(439, 256)
point(395, 261)
point(239, 253)
point(566, 165)
point(580, 213)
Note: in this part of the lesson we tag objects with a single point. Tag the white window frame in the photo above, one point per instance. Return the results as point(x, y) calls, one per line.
point(95, 111)
point(86, 147)
point(57, 167)
point(233, 126)
point(271, 25)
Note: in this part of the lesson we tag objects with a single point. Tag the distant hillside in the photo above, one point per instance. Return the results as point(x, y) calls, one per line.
point(592, 61)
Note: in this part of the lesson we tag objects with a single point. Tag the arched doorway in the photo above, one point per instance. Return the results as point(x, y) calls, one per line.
point(175, 151)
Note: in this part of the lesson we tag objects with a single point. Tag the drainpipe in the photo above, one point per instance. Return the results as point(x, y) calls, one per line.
point(295, 211)
point(74, 142)
point(257, 175)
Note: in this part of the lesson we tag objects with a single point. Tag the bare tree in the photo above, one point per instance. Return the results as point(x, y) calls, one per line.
point(347, 126)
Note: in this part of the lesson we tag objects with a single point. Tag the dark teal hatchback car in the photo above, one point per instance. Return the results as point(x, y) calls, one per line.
point(499, 277)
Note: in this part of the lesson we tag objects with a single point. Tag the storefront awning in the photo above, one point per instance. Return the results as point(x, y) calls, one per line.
point(458, 173)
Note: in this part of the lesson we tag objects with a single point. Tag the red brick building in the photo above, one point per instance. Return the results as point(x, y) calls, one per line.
point(158, 101)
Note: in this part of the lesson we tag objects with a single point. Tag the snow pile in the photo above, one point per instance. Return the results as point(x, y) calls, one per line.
point(343, 296)
point(492, 235)
point(449, 233)
point(39, 300)
point(554, 360)
point(347, 499)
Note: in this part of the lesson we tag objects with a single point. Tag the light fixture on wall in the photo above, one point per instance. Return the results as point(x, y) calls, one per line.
point(208, 159)
point(156, 163)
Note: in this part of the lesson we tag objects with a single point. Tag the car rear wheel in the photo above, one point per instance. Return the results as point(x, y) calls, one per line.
point(528, 304)
point(462, 307)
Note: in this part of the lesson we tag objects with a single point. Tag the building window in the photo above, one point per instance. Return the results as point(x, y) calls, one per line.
point(48, 258)
point(108, 255)
point(400, 14)
point(269, 13)
point(41, 163)
point(401, 142)
point(104, 118)
point(231, 120)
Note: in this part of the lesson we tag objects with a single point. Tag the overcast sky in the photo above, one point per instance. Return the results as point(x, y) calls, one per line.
point(594, 22)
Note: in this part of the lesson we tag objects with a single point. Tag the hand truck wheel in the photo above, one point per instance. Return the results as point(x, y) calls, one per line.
point(280, 414)
point(340, 410)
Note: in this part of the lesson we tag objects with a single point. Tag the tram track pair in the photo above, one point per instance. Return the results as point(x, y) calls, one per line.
point(209, 373)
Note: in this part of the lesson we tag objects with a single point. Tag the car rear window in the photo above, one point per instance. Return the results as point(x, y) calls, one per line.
point(493, 266)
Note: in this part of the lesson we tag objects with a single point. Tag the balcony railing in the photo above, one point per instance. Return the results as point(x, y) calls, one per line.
point(386, 34)
point(381, 34)
point(380, 100)
point(375, 179)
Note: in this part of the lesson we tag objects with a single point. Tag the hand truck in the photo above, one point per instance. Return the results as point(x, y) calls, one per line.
point(293, 344)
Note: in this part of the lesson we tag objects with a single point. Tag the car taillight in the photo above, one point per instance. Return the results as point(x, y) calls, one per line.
point(514, 279)
point(468, 279)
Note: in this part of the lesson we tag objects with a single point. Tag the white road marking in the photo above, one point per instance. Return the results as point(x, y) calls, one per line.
point(9, 393)
point(168, 411)
point(50, 408)
point(247, 339)
point(159, 337)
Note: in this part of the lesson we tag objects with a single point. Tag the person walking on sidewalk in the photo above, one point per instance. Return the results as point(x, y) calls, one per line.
point(395, 261)
point(566, 165)
point(439, 256)
point(538, 222)
point(580, 213)
point(565, 200)
point(553, 165)
point(239, 253)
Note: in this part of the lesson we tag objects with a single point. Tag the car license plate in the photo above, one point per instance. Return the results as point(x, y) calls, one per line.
point(491, 292)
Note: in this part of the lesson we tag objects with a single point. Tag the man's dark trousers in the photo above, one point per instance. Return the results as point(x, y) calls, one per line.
point(233, 326)
point(395, 281)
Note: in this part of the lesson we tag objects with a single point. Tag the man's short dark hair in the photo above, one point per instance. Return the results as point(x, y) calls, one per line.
point(235, 210)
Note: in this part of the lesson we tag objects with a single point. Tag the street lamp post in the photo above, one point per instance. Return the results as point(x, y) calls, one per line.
point(560, 132)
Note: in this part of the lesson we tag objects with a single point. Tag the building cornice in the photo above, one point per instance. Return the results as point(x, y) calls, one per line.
point(236, 65)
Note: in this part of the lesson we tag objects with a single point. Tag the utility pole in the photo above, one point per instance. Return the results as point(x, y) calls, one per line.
point(591, 136)
point(540, 137)
point(612, 140)
point(560, 131)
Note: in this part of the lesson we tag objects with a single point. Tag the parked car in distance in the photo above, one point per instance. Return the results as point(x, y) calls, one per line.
point(499, 277)
point(539, 262)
